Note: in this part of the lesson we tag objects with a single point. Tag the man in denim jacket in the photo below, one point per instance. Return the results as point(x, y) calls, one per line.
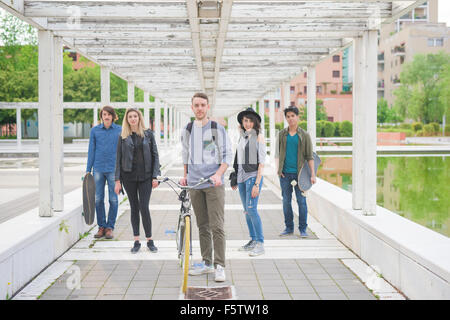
point(102, 157)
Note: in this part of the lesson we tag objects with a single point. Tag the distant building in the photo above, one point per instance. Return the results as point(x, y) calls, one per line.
point(416, 32)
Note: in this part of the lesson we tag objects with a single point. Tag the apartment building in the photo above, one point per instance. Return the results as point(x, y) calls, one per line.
point(417, 32)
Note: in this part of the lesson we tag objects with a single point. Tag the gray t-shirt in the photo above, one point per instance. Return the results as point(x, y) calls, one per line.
point(202, 154)
point(243, 176)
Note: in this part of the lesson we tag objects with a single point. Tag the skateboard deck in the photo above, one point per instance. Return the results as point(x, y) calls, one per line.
point(89, 198)
point(304, 177)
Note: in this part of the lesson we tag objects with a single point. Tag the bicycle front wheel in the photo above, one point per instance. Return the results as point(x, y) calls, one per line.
point(187, 250)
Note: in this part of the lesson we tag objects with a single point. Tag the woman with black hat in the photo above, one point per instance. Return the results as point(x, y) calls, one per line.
point(248, 167)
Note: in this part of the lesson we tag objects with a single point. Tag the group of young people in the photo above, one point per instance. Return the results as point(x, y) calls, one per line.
point(127, 156)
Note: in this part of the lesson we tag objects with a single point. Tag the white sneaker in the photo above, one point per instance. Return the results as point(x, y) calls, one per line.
point(201, 268)
point(257, 250)
point(220, 274)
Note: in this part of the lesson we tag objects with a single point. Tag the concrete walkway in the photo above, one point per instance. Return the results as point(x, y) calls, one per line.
point(318, 267)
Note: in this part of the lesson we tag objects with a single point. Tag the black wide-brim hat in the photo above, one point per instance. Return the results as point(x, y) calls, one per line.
point(247, 112)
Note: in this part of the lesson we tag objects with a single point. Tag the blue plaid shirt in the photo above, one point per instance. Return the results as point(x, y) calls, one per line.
point(102, 148)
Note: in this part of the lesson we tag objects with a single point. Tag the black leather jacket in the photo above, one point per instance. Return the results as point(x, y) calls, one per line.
point(125, 151)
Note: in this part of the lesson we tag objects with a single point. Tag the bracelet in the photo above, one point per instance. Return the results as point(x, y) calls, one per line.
point(256, 184)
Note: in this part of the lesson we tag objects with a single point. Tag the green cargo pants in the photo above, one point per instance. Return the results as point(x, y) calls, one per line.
point(209, 209)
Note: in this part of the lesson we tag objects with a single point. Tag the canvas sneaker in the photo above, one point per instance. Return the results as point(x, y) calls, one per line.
point(286, 233)
point(201, 268)
point(249, 246)
point(303, 234)
point(220, 274)
point(257, 250)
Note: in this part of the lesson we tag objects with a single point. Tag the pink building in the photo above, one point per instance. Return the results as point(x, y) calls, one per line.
point(329, 75)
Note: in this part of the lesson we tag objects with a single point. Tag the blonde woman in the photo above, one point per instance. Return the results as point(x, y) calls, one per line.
point(137, 167)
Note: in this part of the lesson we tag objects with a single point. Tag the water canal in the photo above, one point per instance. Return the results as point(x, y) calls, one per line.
point(415, 187)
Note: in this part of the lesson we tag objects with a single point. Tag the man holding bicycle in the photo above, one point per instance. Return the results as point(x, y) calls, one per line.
point(207, 154)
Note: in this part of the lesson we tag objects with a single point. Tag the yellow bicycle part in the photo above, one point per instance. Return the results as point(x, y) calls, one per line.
point(187, 243)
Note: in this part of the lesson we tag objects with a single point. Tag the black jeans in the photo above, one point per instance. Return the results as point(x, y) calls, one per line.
point(139, 193)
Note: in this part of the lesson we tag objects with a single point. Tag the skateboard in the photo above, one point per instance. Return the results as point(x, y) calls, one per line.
point(89, 198)
point(304, 177)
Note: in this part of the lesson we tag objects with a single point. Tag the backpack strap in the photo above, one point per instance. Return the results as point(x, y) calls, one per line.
point(215, 135)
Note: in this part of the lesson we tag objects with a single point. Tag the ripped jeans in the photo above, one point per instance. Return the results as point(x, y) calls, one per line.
point(250, 207)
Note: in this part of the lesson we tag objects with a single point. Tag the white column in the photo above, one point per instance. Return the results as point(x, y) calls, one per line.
point(165, 124)
point(45, 83)
point(105, 85)
point(58, 128)
point(369, 123)
point(130, 92)
point(19, 127)
point(105, 90)
point(261, 114)
point(358, 146)
point(158, 121)
point(170, 127)
point(311, 107)
point(272, 124)
point(147, 109)
point(287, 99)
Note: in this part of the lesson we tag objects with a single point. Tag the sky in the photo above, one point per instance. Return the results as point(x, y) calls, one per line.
point(444, 11)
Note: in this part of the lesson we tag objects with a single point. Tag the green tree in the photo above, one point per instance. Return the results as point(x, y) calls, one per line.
point(321, 113)
point(424, 92)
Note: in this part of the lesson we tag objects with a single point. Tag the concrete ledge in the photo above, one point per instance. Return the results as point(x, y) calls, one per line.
point(29, 243)
point(413, 258)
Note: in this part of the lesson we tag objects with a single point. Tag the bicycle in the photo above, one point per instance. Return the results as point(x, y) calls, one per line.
point(184, 227)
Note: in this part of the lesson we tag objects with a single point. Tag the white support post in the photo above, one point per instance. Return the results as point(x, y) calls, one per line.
point(19, 127)
point(105, 92)
point(169, 128)
point(272, 133)
point(358, 146)
point(165, 124)
point(105, 85)
point(311, 107)
point(287, 99)
point(45, 74)
point(158, 121)
point(147, 109)
point(262, 112)
point(130, 92)
point(369, 123)
point(57, 128)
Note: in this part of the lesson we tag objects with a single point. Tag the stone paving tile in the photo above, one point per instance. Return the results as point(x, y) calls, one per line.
point(112, 291)
point(164, 297)
point(140, 291)
point(361, 296)
point(318, 276)
point(305, 296)
point(301, 289)
point(136, 297)
point(92, 284)
point(277, 296)
point(110, 297)
point(142, 284)
point(116, 284)
point(333, 296)
point(327, 289)
point(78, 297)
point(273, 289)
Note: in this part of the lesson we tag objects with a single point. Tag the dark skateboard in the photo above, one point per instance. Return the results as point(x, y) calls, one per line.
point(304, 178)
point(89, 198)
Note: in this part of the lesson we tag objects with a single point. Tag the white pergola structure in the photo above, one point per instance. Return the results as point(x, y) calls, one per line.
point(237, 52)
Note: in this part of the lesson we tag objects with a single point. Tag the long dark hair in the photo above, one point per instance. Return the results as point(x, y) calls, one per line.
point(254, 120)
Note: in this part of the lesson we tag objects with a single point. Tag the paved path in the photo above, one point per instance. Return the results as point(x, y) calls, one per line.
point(318, 267)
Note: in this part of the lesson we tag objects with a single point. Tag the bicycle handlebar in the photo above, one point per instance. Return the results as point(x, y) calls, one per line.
point(201, 181)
